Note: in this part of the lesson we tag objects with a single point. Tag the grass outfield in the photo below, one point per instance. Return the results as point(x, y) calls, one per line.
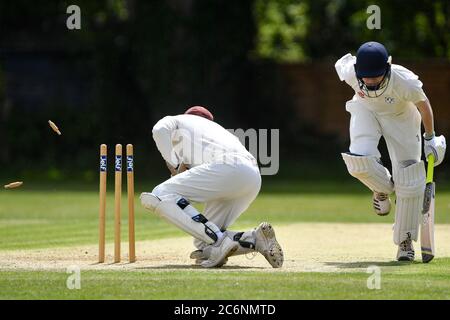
point(31, 218)
point(417, 282)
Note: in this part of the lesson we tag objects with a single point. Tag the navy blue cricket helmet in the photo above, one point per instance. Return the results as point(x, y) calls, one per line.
point(372, 60)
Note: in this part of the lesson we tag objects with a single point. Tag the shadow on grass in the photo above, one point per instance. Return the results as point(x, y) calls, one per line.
point(196, 267)
point(366, 264)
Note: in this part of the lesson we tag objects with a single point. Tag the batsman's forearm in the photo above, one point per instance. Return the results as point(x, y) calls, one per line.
point(427, 116)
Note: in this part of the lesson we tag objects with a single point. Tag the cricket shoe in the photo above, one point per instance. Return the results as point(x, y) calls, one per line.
point(268, 246)
point(219, 252)
point(381, 203)
point(199, 256)
point(406, 251)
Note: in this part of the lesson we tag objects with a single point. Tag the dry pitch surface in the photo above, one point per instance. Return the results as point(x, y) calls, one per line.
point(309, 247)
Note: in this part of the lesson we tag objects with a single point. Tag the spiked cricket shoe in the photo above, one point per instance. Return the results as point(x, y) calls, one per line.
point(200, 255)
point(219, 252)
point(268, 246)
point(405, 251)
point(381, 203)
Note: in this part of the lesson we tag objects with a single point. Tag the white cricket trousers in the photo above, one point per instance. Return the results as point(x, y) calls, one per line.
point(226, 189)
point(401, 132)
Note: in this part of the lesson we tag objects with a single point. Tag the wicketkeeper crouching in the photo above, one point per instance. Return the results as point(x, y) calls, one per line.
point(209, 165)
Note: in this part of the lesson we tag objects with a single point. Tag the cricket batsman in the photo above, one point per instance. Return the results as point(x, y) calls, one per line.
point(389, 101)
point(209, 165)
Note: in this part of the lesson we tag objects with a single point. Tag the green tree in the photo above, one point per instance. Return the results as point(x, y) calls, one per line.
point(299, 30)
point(281, 29)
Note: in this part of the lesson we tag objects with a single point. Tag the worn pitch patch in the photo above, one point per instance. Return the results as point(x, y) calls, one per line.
point(308, 247)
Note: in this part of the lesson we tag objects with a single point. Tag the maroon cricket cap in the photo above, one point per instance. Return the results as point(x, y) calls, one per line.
point(200, 111)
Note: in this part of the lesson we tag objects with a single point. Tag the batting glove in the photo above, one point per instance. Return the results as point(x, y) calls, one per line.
point(436, 146)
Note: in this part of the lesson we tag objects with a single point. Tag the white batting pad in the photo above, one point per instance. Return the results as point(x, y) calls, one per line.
point(369, 171)
point(149, 201)
point(179, 212)
point(409, 189)
point(246, 241)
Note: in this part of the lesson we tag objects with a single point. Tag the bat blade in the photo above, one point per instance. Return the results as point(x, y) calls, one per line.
point(13, 185)
point(427, 224)
point(54, 127)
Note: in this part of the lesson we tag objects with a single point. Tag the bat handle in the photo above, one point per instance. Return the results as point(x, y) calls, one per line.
point(430, 170)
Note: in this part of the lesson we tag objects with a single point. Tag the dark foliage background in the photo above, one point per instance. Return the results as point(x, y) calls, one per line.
point(135, 61)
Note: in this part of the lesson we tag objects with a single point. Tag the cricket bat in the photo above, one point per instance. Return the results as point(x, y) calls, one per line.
point(427, 224)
